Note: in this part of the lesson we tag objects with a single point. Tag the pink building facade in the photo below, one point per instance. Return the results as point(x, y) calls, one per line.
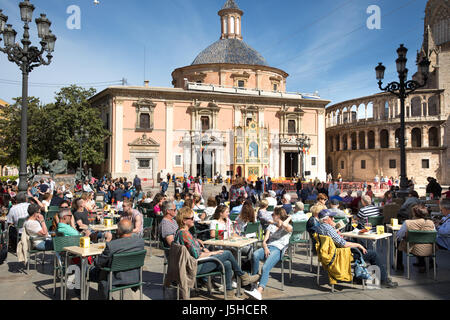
point(191, 128)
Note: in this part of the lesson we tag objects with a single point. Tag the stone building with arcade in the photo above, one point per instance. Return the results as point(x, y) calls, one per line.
point(228, 112)
point(362, 133)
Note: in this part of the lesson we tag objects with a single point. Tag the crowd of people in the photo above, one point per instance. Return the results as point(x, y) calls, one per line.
point(188, 208)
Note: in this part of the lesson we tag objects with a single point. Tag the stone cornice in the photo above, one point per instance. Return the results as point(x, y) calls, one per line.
point(232, 66)
point(174, 94)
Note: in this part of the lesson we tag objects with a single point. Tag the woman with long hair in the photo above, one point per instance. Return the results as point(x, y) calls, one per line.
point(222, 221)
point(247, 215)
point(275, 243)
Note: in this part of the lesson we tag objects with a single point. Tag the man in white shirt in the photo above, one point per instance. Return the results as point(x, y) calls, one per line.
point(18, 211)
point(271, 199)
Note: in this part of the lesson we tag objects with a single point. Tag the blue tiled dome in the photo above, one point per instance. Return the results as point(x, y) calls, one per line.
point(230, 51)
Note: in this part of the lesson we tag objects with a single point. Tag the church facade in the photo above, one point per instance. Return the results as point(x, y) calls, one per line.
point(227, 113)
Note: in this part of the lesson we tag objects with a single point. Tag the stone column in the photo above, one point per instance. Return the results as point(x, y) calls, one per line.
point(321, 149)
point(169, 136)
point(358, 145)
point(408, 136)
point(366, 139)
point(377, 138)
point(425, 142)
point(391, 138)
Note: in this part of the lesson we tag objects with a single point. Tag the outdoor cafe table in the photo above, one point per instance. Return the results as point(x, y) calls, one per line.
point(103, 228)
point(94, 250)
point(237, 243)
point(374, 238)
point(394, 238)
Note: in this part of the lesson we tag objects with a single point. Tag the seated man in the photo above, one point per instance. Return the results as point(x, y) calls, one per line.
point(327, 228)
point(443, 226)
point(367, 209)
point(286, 201)
point(125, 243)
point(65, 227)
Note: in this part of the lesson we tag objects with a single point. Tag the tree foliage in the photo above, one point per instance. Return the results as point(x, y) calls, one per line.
point(51, 128)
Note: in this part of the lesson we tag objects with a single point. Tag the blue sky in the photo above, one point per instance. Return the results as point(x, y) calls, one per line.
point(324, 45)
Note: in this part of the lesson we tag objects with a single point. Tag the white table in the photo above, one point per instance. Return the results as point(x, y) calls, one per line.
point(374, 238)
point(94, 250)
point(233, 243)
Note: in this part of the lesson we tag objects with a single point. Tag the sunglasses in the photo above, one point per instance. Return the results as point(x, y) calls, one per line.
point(191, 218)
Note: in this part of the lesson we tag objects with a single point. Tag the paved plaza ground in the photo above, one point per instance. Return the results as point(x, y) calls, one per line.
point(16, 284)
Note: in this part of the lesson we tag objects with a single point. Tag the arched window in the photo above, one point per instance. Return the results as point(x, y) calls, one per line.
point(416, 138)
point(433, 137)
point(344, 142)
point(384, 139)
point(291, 126)
point(231, 24)
point(353, 139)
point(338, 117)
point(433, 109)
point(362, 140)
point(386, 110)
point(225, 25)
point(238, 25)
point(416, 104)
point(354, 112)
point(205, 123)
point(371, 140)
point(345, 115)
point(370, 114)
point(338, 143)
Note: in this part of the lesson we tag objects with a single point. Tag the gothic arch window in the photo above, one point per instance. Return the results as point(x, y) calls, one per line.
point(344, 142)
point(386, 110)
point(416, 138)
point(362, 140)
point(371, 140)
point(433, 109)
point(384, 139)
point(205, 123)
point(433, 137)
point(354, 114)
point(338, 143)
point(416, 104)
point(292, 128)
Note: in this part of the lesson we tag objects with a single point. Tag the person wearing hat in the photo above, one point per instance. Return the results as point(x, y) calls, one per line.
point(327, 228)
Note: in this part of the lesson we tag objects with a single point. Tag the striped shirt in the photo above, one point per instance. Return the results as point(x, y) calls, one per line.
point(327, 230)
point(368, 211)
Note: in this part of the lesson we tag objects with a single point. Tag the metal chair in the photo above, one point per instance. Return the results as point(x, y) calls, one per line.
point(421, 237)
point(234, 216)
point(376, 220)
point(147, 228)
point(125, 262)
point(59, 267)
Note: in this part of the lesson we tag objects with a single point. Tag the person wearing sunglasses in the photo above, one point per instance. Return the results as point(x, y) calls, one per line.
point(66, 225)
point(185, 220)
point(63, 205)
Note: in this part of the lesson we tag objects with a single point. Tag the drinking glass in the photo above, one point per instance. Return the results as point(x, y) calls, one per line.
point(368, 226)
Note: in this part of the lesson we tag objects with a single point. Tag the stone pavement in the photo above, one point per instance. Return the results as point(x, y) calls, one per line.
point(16, 284)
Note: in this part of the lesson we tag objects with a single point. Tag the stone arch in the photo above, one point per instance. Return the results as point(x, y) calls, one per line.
point(371, 140)
point(416, 138)
point(354, 114)
point(384, 139)
point(338, 117)
point(370, 110)
point(362, 140)
point(345, 115)
point(361, 112)
point(433, 109)
point(416, 105)
point(433, 137)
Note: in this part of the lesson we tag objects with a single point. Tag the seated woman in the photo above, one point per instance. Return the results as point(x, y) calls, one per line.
point(387, 199)
point(421, 221)
point(247, 215)
point(178, 201)
point(264, 216)
point(156, 204)
point(35, 227)
point(211, 206)
point(221, 222)
point(185, 220)
point(274, 245)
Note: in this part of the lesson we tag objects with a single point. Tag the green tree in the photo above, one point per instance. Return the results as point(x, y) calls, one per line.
point(68, 113)
point(10, 133)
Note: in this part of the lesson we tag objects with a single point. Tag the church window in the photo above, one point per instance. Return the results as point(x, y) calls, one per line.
point(241, 83)
point(205, 123)
point(291, 126)
point(144, 121)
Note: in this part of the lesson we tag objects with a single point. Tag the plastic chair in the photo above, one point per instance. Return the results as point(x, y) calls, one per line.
point(299, 229)
point(252, 227)
point(147, 228)
point(59, 267)
point(421, 237)
point(234, 215)
point(124, 262)
point(270, 208)
point(307, 206)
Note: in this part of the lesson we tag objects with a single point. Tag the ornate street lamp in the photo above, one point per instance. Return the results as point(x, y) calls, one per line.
point(81, 136)
point(27, 58)
point(402, 89)
point(303, 144)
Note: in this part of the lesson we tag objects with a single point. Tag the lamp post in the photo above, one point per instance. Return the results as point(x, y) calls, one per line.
point(81, 136)
point(402, 89)
point(303, 144)
point(27, 58)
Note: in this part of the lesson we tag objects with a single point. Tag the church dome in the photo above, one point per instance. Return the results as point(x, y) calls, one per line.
point(230, 51)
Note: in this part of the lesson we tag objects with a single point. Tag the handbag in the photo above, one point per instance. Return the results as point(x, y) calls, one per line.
point(361, 269)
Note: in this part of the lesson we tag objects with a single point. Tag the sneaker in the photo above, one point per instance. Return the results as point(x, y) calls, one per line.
point(248, 279)
point(255, 294)
point(389, 284)
point(234, 285)
point(231, 295)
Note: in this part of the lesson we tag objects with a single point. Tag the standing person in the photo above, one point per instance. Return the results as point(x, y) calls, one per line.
point(135, 216)
point(369, 192)
point(434, 188)
point(298, 187)
point(119, 194)
point(259, 188)
point(269, 184)
point(185, 220)
point(274, 245)
point(52, 185)
point(237, 190)
point(198, 188)
point(164, 186)
point(168, 178)
point(137, 182)
point(332, 188)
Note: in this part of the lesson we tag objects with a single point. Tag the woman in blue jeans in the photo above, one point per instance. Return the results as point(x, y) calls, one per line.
point(275, 243)
point(185, 220)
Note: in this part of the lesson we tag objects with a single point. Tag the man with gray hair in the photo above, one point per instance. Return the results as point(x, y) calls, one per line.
point(168, 226)
point(64, 226)
point(367, 209)
point(443, 226)
point(125, 243)
point(286, 201)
